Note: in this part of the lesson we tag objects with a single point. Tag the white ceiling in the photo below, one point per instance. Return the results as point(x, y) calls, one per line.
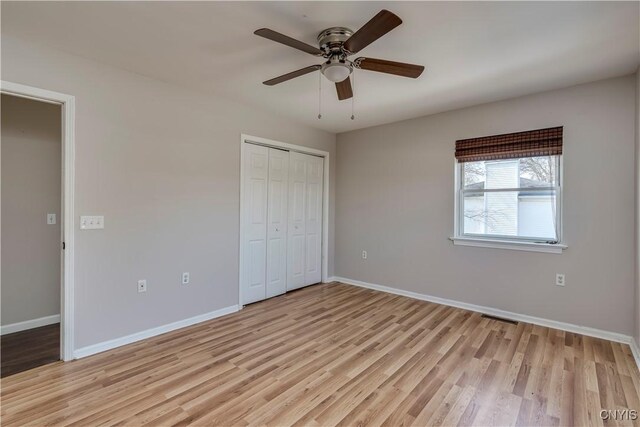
point(474, 52)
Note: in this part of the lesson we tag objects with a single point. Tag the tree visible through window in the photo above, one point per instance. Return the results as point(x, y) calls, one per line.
point(510, 198)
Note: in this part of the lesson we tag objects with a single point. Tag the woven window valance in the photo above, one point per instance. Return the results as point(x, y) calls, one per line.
point(531, 143)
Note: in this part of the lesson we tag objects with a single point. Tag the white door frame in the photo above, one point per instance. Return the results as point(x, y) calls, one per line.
point(67, 103)
point(325, 199)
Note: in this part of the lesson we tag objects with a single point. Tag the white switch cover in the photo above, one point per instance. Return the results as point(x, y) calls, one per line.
point(91, 222)
point(51, 219)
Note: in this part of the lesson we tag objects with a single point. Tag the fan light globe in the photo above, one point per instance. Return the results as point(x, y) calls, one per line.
point(336, 72)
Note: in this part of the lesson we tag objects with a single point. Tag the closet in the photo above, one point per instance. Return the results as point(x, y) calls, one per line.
point(282, 221)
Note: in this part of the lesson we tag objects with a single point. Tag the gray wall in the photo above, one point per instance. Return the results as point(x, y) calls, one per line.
point(395, 199)
point(31, 167)
point(161, 163)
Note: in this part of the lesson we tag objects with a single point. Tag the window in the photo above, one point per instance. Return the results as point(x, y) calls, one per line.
point(509, 190)
point(510, 199)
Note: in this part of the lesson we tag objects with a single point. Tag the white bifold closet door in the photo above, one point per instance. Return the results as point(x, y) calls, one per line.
point(265, 223)
point(277, 222)
point(282, 222)
point(304, 253)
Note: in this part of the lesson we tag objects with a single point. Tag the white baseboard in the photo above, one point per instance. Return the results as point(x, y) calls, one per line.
point(584, 330)
point(635, 350)
point(111, 344)
point(29, 324)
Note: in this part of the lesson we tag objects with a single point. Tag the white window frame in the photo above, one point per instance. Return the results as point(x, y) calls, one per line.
point(506, 242)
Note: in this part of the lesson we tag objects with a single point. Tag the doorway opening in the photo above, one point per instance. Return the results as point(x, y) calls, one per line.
point(37, 227)
point(31, 232)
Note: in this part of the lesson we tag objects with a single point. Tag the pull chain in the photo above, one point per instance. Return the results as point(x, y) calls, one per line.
point(319, 96)
point(353, 83)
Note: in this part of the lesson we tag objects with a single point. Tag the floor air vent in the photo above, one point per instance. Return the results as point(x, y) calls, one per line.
point(500, 319)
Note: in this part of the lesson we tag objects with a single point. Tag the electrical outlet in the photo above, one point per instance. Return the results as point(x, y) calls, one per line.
point(559, 279)
point(185, 278)
point(364, 254)
point(142, 285)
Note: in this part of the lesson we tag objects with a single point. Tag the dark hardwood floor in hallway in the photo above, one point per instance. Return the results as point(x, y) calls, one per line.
point(335, 354)
point(29, 349)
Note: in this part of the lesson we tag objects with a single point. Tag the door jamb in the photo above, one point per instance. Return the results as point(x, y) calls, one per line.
point(325, 199)
point(67, 104)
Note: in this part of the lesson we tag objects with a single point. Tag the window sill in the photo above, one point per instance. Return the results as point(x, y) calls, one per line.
point(508, 244)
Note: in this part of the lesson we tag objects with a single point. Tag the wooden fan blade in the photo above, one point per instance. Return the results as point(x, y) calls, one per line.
point(286, 40)
point(377, 27)
point(344, 89)
point(389, 67)
point(292, 75)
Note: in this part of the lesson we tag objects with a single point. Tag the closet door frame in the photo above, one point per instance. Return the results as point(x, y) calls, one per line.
point(248, 139)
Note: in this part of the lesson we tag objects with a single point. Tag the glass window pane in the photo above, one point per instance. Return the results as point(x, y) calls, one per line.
point(538, 172)
point(473, 175)
point(530, 214)
point(528, 172)
point(502, 174)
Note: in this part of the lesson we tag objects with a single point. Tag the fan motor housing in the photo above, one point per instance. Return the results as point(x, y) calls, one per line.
point(331, 39)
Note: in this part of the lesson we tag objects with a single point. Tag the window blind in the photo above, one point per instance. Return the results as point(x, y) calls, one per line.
point(531, 143)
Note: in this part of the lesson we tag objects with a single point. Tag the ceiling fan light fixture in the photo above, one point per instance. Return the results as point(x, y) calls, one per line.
point(336, 71)
point(336, 45)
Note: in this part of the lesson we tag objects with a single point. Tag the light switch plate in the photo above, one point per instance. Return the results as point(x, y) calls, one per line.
point(91, 222)
point(51, 219)
point(142, 285)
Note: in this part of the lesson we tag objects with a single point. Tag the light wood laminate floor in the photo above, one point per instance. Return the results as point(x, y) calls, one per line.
point(336, 355)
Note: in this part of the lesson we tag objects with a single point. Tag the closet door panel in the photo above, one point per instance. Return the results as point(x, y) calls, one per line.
point(296, 221)
point(313, 220)
point(254, 245)
point(277, 222)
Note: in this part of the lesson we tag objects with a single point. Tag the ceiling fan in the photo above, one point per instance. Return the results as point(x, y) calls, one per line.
point(336, 44)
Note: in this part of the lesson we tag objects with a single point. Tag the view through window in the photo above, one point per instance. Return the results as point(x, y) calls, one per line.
point(513, 199)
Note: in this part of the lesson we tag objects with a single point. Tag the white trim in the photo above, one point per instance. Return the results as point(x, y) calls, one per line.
point(518, 245)
point(67, 103)
point(635, 351)
point(584, 330)
point(29, 324)
point(325, 199)
point(508, 189)
point(279, 144)
point(138, 336)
